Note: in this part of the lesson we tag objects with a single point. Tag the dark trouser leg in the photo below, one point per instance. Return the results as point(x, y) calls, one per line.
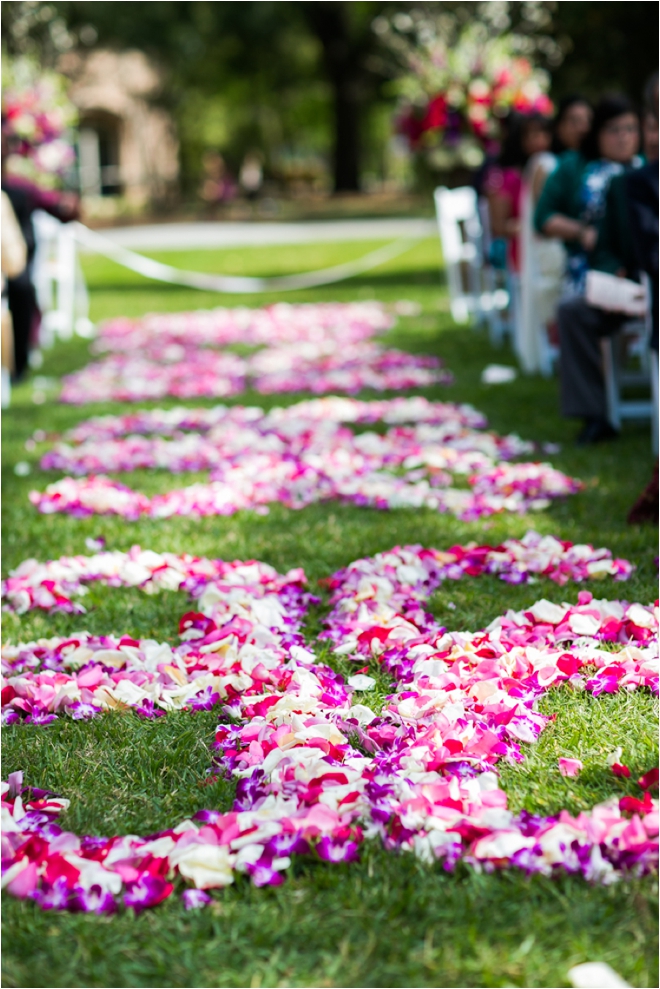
point(581, 328)
point(22, 300)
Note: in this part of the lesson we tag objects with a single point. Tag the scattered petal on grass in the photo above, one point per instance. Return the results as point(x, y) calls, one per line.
point(498, 374)
point(193, 899)
point(631, 805)
point(595, 975)
point(615, 756)
point(95, 545)
point(649, 780)
point(55, 584)
point(361, 682)
point(315, 773)
point(148, 891)
point(570, 767)
point(146, 709)
point(300, 455)
point(320, 348)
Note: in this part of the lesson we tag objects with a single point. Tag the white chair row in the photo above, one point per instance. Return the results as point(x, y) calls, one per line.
point(477, 292)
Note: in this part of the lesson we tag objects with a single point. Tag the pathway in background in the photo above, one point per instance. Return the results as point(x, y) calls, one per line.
point(180, 236)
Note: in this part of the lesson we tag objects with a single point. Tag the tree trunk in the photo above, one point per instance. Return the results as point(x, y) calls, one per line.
point(343, 60)
point(346, 155)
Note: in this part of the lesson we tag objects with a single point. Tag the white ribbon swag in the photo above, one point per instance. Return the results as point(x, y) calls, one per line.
point(63, 294)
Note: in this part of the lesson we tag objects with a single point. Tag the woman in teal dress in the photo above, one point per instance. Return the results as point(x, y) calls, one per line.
point(571, 208)
point(572, 203)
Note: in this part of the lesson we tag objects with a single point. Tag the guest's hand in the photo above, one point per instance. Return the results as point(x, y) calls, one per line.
point(588, 238)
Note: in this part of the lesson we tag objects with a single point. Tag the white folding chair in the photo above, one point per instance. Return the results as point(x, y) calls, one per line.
point(496, 296)
point(59, 281)
point(632, 341)
point(460, 236)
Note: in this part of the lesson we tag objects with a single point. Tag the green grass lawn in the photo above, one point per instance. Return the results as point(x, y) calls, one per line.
point(387, 920)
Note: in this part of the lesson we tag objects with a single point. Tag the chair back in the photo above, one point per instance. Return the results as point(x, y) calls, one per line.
point(460, 232)
point(59, 281)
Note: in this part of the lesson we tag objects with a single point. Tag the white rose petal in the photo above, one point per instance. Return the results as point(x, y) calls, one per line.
point(208, 866)
point(360, 681)
point(547, 612)
point(363, 714)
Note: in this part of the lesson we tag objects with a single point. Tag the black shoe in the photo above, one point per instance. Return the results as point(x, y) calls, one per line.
point(596, 431)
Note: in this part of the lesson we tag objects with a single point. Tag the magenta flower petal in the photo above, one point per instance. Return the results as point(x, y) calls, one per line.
point(570, 767)
point(332, 850)
point(146, 892)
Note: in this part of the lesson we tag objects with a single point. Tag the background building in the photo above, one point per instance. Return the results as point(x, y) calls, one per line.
point(128, 150)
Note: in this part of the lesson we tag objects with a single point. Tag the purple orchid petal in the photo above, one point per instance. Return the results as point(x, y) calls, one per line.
point(193, 899)
point(80, 711)
point(205, 700)
point(331, 850)
point(15, 781)
point(40, 718)
point(92, 900)
point(263, 874)
point(147, 710)
point(53, 897)
point(146, 892)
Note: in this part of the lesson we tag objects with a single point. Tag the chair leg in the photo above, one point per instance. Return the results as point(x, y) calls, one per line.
point(611, 383)
point(545, 353)
point(515, 310)
point(5, 388)
point(653, 360)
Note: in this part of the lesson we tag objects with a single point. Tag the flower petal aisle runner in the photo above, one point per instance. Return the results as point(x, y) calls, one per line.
point(316, 347)
point(317, 770)
point(432, 454)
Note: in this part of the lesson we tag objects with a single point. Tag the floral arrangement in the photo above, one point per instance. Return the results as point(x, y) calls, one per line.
point(38, 119)
point(457, 86)
point(318, 770)
point(300, 455)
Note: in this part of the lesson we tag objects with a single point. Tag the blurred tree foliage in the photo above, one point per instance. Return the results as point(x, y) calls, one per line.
point(240, 75)
point(299, 78)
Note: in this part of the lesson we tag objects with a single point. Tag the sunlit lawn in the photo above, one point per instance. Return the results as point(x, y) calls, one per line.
point(388, 920)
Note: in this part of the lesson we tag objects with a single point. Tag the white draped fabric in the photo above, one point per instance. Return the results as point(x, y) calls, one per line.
point(542, 268)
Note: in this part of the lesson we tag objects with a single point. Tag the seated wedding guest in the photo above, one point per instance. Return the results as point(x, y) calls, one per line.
point(26, 198)
point(572, 203)
point(491, 158)
point(571, 208)
point(14, 259)
point(628, 238)
point(571, 124)
point(569, 127)
point(639, 245)
point(526, 136)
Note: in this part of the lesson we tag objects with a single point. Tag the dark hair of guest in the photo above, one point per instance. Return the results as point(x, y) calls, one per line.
point(650, 96)
point(513, 154)
point(564, 105)
point(608, 108)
